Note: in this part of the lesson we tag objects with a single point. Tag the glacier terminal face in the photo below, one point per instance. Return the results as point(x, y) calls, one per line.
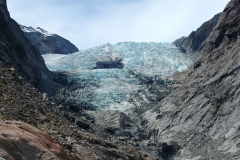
point(119, 89)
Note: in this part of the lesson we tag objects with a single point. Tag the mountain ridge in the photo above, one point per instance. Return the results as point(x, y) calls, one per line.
point(195, 42)
point(47, 42)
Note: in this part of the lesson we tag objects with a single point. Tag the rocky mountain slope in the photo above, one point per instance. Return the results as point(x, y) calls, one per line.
point(202, 116)
point(78, 136)
point(16, 48)
point(195, 42)
point(47, 42)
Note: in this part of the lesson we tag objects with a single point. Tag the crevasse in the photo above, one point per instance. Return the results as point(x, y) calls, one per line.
point(116, 89)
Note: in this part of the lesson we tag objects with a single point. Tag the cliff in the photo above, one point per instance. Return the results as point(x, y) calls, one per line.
point(16, 48)
point(202, 116)
point(195, 42)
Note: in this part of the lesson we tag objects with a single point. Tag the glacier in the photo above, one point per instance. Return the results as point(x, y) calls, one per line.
point(119, 89)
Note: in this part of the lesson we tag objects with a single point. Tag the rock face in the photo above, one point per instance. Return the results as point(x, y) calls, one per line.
point(108, 65)
point(109, 62)
point(20, 140)
point(202, 116)
point(46, 42)
point(195, 42)
point(16, 48)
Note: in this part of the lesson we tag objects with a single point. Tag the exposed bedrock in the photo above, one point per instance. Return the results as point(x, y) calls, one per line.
point(202, 116)
point(23, 56)
point(108, 62)
point(195, 42)
point(20, 140)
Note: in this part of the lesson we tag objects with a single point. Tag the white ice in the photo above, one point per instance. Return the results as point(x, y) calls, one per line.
point(115, 86)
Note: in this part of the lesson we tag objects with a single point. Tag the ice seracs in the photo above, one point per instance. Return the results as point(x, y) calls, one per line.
point(148, 58)
point(117, 89)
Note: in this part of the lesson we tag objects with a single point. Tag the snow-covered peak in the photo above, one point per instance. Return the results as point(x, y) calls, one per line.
point(42, 30)
point(27, 29)
point(38, 29)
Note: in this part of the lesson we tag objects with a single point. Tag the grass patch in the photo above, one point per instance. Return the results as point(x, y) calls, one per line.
point(235, 28)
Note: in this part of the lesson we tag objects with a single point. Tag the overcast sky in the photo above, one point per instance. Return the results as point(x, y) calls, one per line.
point(89, 23)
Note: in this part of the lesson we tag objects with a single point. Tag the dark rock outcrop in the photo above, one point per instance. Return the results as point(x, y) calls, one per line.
point(16, 48)
point(202, 116)
point(109, 65)
point(46, 42)
point(195, 42)
point(109, 62)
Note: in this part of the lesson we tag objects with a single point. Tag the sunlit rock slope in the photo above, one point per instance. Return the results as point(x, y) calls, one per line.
point(202, 116)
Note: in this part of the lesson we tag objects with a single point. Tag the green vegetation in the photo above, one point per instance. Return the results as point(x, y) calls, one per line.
point(234, 28)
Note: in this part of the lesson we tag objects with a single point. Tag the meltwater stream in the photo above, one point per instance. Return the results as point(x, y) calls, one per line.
point(114, 88)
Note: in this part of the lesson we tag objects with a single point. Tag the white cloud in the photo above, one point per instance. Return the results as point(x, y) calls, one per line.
point(91, 23)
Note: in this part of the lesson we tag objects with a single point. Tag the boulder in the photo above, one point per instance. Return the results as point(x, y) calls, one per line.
point(20, 140)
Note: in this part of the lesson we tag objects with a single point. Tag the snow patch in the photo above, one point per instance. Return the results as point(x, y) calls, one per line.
point(38, 29)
